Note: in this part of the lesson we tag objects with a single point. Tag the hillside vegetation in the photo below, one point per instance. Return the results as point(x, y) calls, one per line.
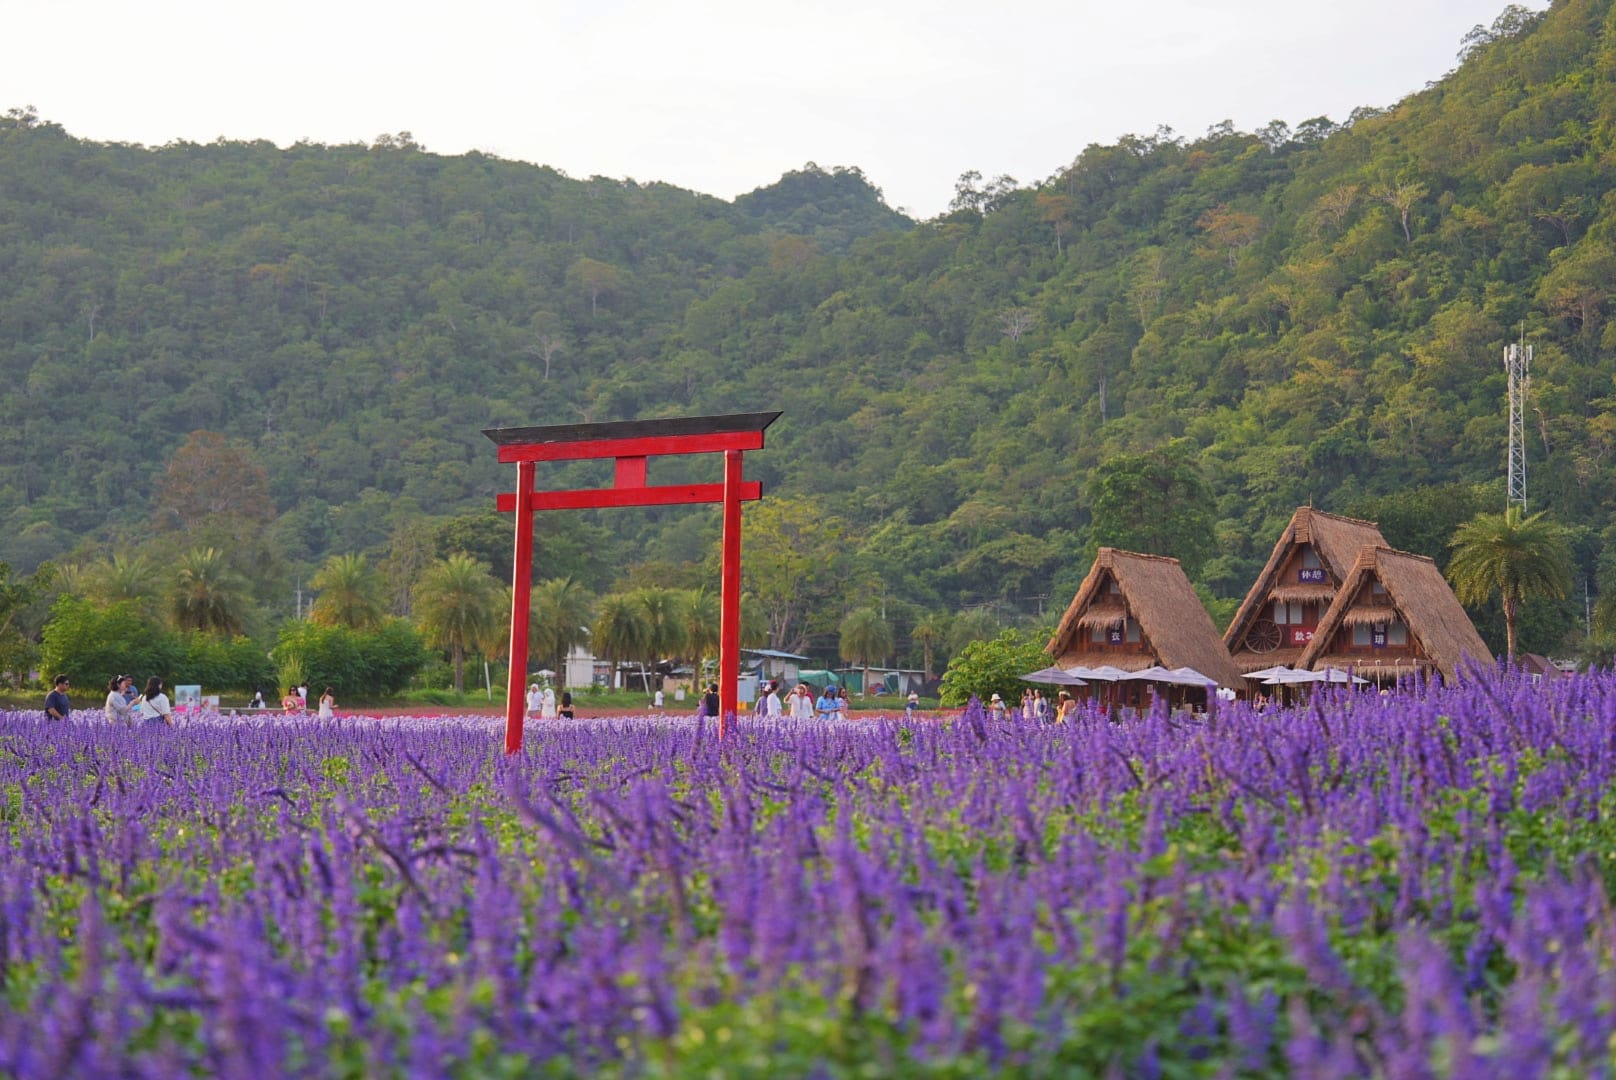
point(1250, 321)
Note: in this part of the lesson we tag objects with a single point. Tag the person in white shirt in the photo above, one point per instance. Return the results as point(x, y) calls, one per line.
point(802, 703)
point(117, 707)
point(152, 707)
point(771, 702)
point(535, 701)
point(657, 700)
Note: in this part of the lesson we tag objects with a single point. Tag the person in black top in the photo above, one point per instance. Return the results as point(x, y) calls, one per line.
point(566, 704)
point(56, 704)
point(709, 700)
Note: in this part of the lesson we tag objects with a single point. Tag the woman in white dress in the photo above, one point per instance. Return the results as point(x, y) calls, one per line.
point(328, 705)
point(549, 710)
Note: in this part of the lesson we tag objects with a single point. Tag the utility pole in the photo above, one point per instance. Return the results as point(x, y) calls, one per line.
point(1518, 365)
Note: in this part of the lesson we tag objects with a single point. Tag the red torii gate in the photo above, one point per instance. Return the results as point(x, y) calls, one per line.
point(632, 443)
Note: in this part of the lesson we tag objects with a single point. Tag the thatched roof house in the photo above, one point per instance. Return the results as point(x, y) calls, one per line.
point(1135, 611)
point(1394, 616)
point(1281, 612)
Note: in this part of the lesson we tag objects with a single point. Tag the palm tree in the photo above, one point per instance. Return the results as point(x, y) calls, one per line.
point(457, 605)
point(666, 626)
point(561, 610)
point(122, 577)
point(931, 629)
point(865, 637)
point(620, 630)
point(207, 594)
point(702, 618)
point(350, 593)
point(1517, 557)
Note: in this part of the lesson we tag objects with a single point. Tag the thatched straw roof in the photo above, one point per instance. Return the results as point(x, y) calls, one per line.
point(1157, 594)
point(1336, 540)
point(1368, 615)
point(1420, 596)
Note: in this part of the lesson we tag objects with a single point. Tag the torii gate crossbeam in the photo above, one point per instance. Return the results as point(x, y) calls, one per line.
point(631, 443)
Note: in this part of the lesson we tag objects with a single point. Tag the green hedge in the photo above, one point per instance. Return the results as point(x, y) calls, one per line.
point(357, 663)
point(92, 644)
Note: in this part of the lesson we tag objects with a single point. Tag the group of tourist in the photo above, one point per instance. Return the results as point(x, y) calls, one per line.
point(1035, 707)
point(296, 701)
point(124, 705)
point(543, 705)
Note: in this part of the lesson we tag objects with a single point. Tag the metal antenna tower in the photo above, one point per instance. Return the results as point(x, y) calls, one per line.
point(1518, 363)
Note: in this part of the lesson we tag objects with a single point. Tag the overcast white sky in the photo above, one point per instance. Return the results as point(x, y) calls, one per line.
point(722, 95)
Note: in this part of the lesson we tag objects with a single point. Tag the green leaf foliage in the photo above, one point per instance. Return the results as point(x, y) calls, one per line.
point(362, 664)
point(1297, 315)
point(995, 666)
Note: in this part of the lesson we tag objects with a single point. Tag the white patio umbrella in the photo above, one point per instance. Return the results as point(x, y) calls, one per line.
point(1269, 672)
point(1103, 673)
point(1053, 676)
point(1293, 678)
point(1188, 676)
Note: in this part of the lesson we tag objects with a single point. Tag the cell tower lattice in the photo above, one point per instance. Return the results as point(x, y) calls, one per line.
point(1518, 363)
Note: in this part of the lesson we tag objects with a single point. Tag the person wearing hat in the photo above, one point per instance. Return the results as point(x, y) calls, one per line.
point(996, 707)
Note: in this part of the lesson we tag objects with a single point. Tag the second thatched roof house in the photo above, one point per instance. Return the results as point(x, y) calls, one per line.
point(1277, 620)
point(1395, 616)
point(1136, 611)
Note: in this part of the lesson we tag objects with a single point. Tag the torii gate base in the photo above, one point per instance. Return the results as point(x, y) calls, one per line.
point(632, 443)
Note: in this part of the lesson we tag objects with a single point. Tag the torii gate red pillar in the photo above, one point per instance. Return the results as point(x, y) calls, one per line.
point(631, 443)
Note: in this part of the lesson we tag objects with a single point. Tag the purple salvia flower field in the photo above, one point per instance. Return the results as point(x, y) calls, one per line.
point(1412, 886)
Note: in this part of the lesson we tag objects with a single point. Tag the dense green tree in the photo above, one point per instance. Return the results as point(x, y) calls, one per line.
point(1517, 558)
point(367, 664)
point(91, 644)
point(17, 596)
point(994, 666)
point(1156, 503)
point(1317, 313)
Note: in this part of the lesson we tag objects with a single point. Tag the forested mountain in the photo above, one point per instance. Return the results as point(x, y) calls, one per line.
point(1249, 321)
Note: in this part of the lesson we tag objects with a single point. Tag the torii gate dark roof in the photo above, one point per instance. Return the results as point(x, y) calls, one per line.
point(725, 424)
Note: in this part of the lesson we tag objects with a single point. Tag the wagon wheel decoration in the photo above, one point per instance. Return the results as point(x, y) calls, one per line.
point(1264, 636)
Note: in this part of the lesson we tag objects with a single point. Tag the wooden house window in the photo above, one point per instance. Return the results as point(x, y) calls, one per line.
point(1396, 634)
point(1133, 631)
point(1360, 636)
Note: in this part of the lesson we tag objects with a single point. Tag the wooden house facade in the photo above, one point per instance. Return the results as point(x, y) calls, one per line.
point(1284, 608)
point(1137, 611)
point(1395, 616)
